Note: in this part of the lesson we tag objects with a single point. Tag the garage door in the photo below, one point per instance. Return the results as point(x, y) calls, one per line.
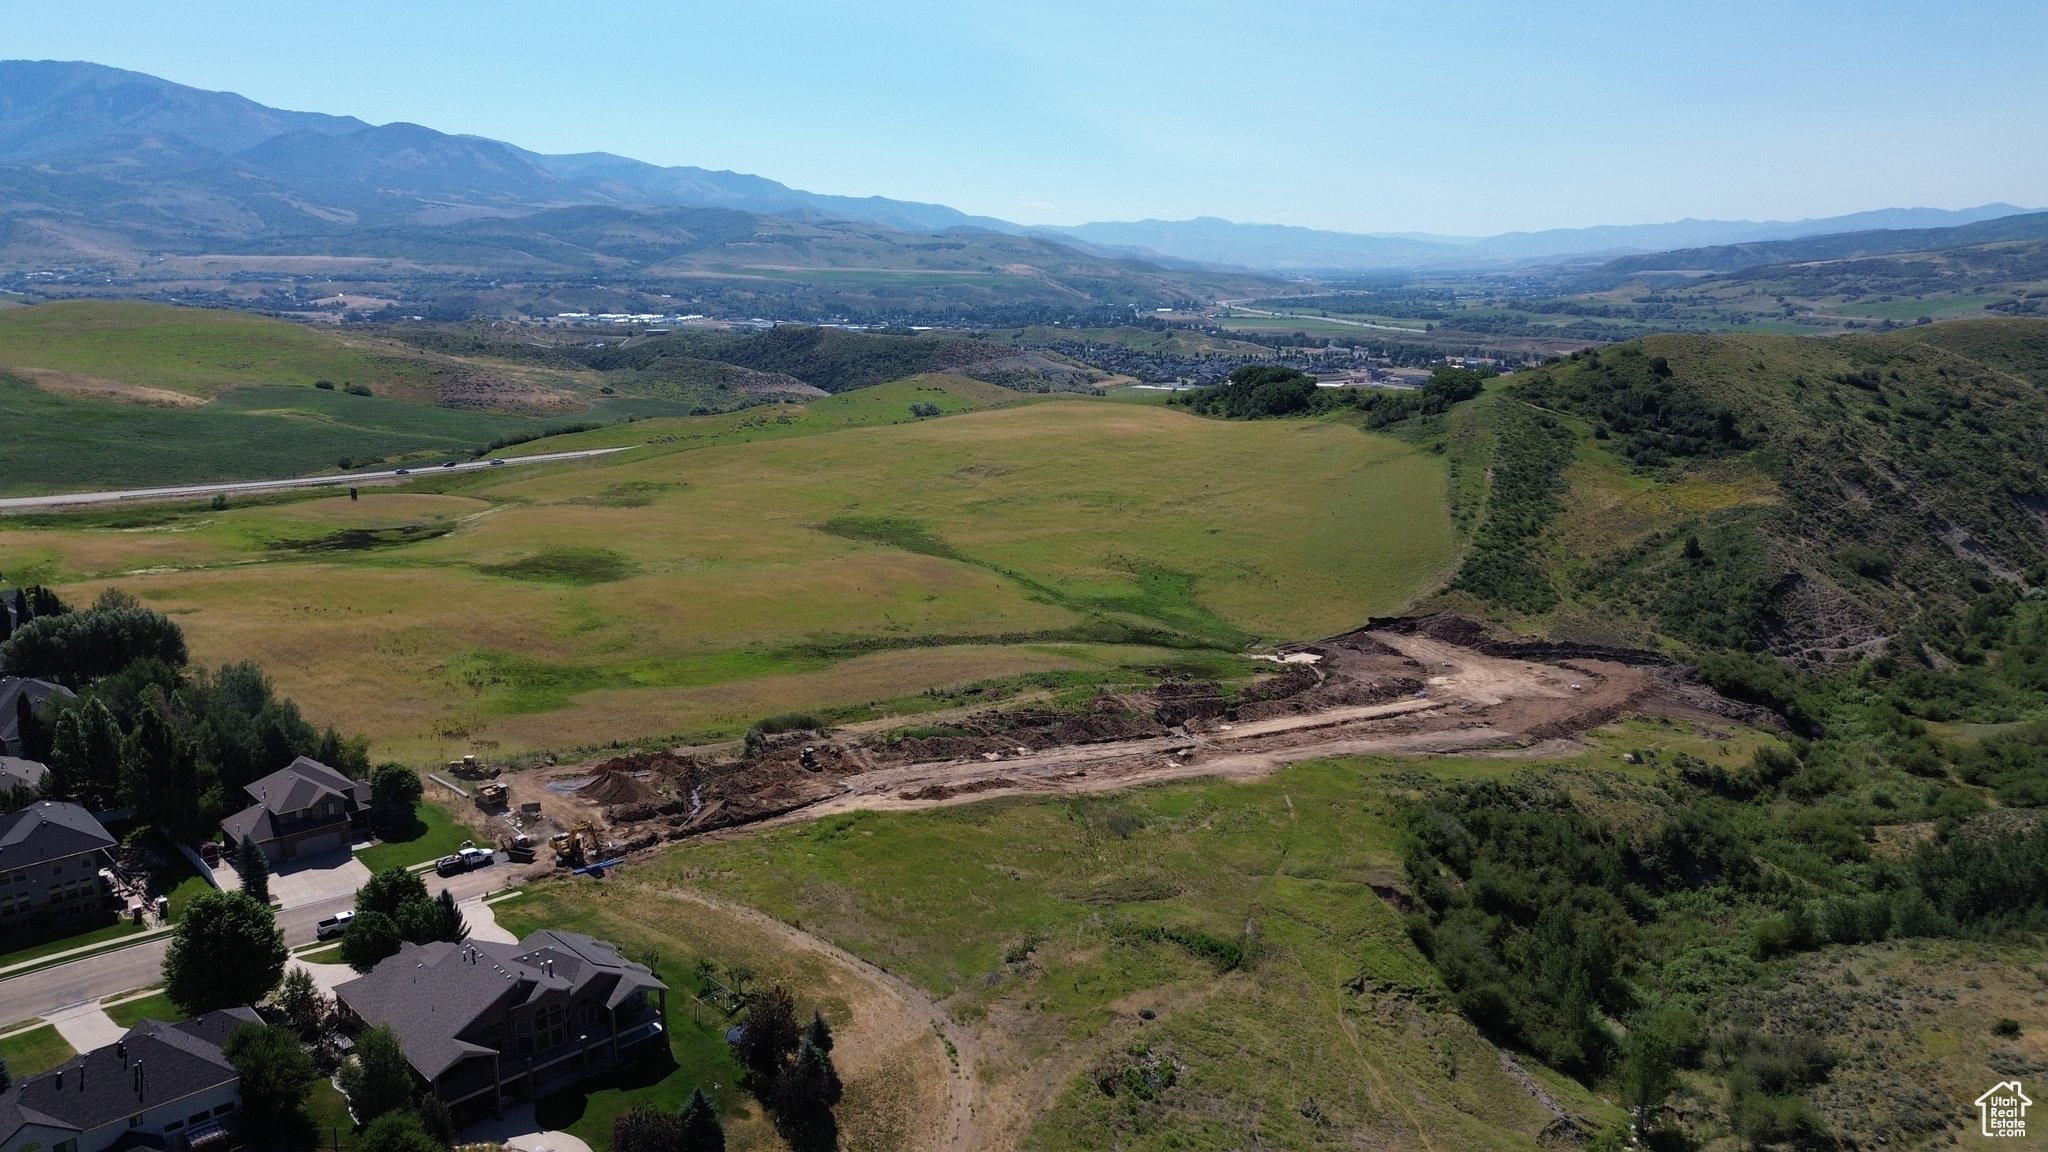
point(313, 845)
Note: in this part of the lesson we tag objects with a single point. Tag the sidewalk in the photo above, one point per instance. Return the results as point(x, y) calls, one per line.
point(483, 923)
point(114, 945)
point(86, 1026)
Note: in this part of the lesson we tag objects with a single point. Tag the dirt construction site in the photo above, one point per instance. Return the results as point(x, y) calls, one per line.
point(1407, 686)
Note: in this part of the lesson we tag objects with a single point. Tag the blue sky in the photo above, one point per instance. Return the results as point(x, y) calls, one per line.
point(1452, 116)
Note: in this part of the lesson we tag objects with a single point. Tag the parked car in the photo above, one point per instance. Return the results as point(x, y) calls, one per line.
point(464, 860)
point(334, 926)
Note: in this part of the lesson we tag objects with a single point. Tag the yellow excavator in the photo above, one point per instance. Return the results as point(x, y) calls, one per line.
point(572, 846)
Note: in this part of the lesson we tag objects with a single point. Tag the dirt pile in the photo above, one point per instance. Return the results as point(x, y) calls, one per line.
point(948, 791)
point(614, 786)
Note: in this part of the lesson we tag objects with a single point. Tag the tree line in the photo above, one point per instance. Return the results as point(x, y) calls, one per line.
point(145, 731)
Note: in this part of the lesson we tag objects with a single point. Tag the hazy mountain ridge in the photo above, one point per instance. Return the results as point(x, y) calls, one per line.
point(96, 159)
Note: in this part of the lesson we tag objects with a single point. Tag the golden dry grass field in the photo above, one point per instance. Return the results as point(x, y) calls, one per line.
point(745, 564)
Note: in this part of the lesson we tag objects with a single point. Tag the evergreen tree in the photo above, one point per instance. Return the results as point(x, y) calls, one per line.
point(100, 774)
point(702, 1131)
point(32, 732)
point(819, 1033)
point(6, 1075)
point(771, 1034)
point(254, 870)
point(160, 775)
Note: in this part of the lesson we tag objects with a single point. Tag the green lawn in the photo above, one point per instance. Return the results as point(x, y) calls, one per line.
point(154, 1007)
point(34, 1051)
point(328, 955)
point(434, 834)
point(27, 946)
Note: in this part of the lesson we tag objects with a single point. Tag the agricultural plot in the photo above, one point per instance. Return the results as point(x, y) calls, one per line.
point(781, 557)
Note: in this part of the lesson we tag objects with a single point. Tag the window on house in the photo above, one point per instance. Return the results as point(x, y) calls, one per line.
point(523, 1030)
point(135, 1121)
point(199, 1118)
point(174, 1125)
point(493, 1035)
point(224, 1109)
point(551, 1027)
point(66, 1146)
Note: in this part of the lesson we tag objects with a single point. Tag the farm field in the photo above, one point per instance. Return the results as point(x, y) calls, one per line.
point(97, 394)
point(776, 558)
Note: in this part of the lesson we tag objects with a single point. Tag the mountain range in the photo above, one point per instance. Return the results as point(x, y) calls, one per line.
point(99, 163)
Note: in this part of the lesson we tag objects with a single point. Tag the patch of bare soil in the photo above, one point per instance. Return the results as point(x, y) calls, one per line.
point(1431, 685)
point(474, 388)
point(95, 388)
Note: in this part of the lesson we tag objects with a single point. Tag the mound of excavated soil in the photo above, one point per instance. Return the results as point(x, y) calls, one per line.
point(616, 787)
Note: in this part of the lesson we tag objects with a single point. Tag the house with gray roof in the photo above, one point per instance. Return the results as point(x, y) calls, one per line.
point(12, 690)
point(161, 1086)
point(483, 1022)
point(18, 775)
point(301, 809)
point(51, 854)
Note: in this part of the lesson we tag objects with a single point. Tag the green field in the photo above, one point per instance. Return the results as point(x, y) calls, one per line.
point(106, 395)
point(775, 558)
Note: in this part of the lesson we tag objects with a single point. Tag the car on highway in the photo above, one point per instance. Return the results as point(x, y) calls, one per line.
point(464, 861)
point(334, 926)
point(448, 464)
point(495, 463)
point(403, 472)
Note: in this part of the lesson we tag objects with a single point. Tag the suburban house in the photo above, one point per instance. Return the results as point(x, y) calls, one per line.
point(483, 1021)
point(301, 809)
point(13, 689)
point(165, 1086)
point(17, 774)
point(51, 854)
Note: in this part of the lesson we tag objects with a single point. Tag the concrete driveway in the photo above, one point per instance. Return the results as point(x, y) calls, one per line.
point(519, 1131)
point(328, 878)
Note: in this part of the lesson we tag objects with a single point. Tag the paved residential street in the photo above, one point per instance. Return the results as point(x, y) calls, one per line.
point(44, 992)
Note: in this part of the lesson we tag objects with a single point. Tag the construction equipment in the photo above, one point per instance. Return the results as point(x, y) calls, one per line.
point(520, 850)
point(491, 796)
point(571, 846)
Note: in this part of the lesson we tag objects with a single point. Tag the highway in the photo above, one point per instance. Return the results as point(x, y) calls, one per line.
point(338, 479)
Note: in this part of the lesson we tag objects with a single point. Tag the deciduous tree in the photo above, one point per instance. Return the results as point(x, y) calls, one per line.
point(226, 951)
